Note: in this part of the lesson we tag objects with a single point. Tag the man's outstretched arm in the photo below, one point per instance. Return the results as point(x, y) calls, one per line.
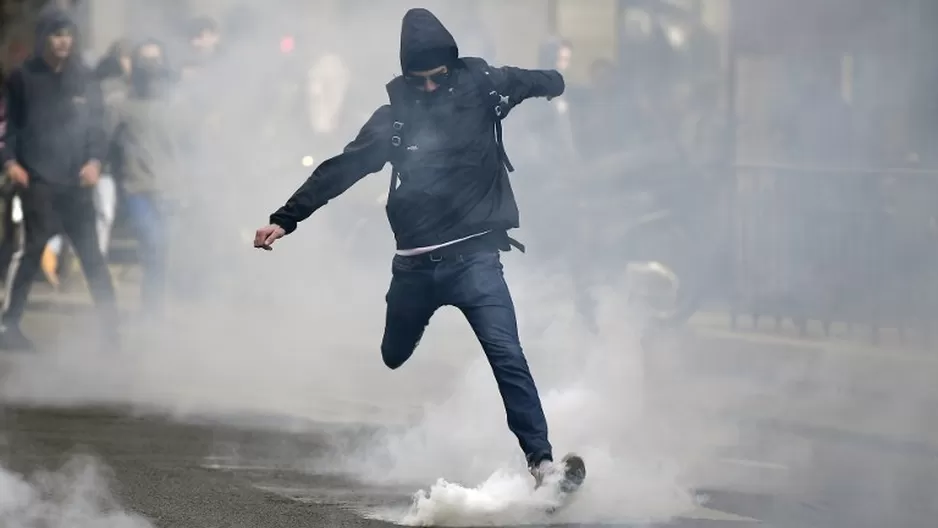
point(366, 154)
point(519, 84)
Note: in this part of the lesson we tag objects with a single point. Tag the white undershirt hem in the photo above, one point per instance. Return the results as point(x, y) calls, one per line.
point(422, 250)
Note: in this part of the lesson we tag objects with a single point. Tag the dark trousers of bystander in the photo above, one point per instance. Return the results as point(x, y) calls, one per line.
point(9, 233)
point(148, 215)
point(49, 210)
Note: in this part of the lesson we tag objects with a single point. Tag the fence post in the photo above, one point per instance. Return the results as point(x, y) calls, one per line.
point(730, 159)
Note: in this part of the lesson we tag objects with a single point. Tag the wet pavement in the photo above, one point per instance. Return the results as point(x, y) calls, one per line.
point(827, 468)
point(167, 471)
point(177, 475)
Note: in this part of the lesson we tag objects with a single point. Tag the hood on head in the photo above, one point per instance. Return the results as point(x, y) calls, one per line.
point(425, 42)
point(109, 66)
point(48, 22)
point(149, 76)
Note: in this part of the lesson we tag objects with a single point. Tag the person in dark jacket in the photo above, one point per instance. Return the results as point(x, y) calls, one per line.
point(148, 143)
point(8, 231)
point(112, 71)
point(54, 146)
point(450, 206)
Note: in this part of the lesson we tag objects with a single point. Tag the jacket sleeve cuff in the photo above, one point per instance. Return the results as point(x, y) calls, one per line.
point(288, 225)
point(95, 155)
point(560, 86)
point(5, 157)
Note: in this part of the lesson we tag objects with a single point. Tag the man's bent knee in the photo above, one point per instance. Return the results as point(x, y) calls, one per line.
point(394, 358)
point(402, 334)
point(396, 354)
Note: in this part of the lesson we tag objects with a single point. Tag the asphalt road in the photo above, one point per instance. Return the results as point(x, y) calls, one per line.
point(798, 456)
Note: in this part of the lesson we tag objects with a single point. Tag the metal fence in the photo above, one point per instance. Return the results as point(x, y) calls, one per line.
point(850, 246)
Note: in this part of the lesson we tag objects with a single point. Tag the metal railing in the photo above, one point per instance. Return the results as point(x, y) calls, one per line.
point(851, 246)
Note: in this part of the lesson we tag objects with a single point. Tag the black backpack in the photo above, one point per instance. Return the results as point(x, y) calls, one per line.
point(399, 96)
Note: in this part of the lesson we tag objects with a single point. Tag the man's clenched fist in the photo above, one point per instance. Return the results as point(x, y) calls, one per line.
point(267, 235)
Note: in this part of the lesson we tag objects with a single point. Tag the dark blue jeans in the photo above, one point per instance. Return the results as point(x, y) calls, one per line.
point(147, 216)
point(473, 283)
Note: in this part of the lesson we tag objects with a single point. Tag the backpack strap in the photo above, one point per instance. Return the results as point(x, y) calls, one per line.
point(400, 105)
point(479, 70)
point(397, 96)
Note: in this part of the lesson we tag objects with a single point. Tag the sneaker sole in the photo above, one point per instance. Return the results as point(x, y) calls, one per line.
point(574, 473)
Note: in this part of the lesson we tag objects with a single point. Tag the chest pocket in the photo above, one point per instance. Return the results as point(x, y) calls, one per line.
point(80, 108)
point(62, 106)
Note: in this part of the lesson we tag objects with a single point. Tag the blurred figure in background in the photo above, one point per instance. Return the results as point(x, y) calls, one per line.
point(553, 142)
point(148, 145)
point(201, 80)
point(16, 52)
point(204, 37)
point(542, 145)
point(7, 226)
point(613, 114)
point(54, 149)
point(328, 82)
point(205, 95)
point(112, 71)
point(204, 87)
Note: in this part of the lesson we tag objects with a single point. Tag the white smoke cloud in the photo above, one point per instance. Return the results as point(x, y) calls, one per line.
point(75, 496)
point(295, 333)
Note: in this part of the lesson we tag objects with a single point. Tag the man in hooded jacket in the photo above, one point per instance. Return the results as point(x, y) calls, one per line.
point(450, 205)
point(54, 146)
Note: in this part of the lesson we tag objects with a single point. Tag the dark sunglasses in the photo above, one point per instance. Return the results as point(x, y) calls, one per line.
point(421, 80)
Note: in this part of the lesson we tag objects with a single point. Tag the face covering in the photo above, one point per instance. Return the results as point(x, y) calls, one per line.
point(149, 76)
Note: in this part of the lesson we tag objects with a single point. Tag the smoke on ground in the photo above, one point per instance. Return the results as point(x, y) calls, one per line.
point(75, 496)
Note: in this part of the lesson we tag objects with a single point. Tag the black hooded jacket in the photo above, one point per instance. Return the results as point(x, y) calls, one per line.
point(453, 183)
point(55, 120)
